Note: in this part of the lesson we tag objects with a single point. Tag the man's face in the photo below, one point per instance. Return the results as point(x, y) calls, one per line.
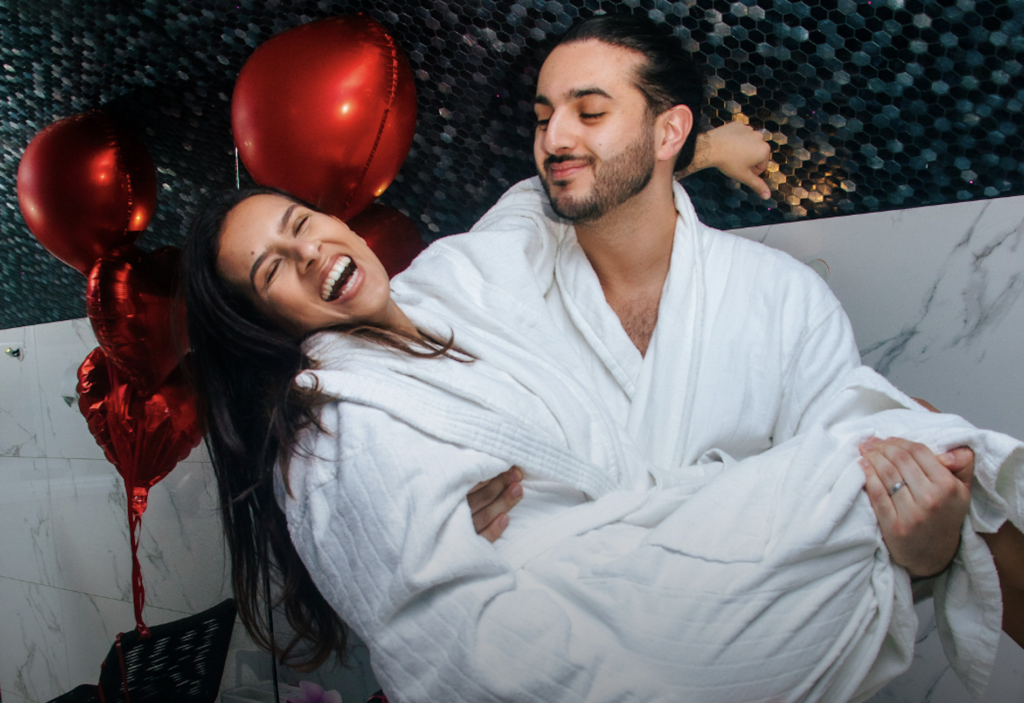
point(594, 143)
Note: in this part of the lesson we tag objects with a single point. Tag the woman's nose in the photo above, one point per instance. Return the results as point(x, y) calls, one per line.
point(306, 252)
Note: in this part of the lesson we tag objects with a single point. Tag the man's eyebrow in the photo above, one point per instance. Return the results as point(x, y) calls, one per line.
point(259, 259)
point(574, 94)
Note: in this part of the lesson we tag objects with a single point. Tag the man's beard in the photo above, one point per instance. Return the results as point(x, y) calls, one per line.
point(618, 180)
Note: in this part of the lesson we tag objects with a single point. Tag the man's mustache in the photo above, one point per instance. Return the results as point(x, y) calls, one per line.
point(562, 158)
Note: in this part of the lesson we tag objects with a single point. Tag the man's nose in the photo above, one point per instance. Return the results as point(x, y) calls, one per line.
point(560, 134)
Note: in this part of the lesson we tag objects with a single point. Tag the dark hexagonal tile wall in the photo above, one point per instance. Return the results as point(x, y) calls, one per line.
point(869, 105)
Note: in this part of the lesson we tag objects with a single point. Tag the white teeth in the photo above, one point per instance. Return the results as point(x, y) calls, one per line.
point(339, 268)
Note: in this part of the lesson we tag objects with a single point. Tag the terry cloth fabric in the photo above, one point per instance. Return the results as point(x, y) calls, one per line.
point(746, 573)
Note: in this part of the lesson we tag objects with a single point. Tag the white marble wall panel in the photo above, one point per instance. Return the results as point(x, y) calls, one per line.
point(27, 550)
point(33, 659)
point(182, 549)
point(21, 426)
point(91, 624)
point(934, 297)
point(90, 528)
point(10, 697)
point(61, 349)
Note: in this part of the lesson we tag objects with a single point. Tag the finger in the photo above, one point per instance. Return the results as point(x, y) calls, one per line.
point(486, 492)
point(881, 503)
point(483, 518)
point(875, 452)
point(493, 531)
point(917, 459)
point(960, 462)
point(755, 183)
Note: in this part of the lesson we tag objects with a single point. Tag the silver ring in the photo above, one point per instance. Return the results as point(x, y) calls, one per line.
point(899, 485)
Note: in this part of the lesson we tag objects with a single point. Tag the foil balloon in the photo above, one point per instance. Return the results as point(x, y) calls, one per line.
point(143, 436)
point(129, 299)
point(86, 186)
point(327, 112)
point(392, 236)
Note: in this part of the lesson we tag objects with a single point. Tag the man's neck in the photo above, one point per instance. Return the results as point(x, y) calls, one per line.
point(630, 249)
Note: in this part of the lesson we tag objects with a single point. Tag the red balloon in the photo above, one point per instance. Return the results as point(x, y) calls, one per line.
point(327, 112)
point(392, 236)
point(86, 186)
point(143, 436)
point(130, 301)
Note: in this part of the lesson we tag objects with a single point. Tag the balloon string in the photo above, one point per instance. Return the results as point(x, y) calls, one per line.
point(383, 120)
point(138, 590)
point(237, 180)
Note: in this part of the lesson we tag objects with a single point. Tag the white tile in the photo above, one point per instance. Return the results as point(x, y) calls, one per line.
point(27, 550)
point(21, 422)
point(934, 296)
point(181, 548)
point(62, 347)
point(92, 623)
point(90, 527)
point(182, 551)
point(33, 661)
point(11, 697)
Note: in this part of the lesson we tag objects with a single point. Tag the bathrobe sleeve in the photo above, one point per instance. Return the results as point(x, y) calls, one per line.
point(378, 515)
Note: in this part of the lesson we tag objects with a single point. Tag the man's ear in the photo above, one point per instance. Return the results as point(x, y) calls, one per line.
point(673, 127)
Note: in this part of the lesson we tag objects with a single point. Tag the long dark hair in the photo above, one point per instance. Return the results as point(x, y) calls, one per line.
point(668, 77)
point(243, 369)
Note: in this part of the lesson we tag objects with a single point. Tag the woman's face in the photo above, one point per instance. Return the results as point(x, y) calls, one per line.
point(304, 270)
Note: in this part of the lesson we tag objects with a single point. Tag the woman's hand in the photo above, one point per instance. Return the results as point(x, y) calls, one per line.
point(490, 501)
point(738, 151)
point(920, 500)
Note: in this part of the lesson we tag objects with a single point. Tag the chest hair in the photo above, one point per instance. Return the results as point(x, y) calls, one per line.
point(639, 317)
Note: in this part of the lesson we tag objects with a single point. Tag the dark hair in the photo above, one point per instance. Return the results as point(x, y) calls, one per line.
point(669, 75)
point(244, 368)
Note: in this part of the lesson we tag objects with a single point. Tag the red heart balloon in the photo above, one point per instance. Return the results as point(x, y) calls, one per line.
point(85, 187)
point(129, 299)
point(143, 436)
point(392, 236)
point(327, 112)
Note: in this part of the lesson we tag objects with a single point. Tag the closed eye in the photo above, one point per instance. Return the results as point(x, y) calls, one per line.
point(591, 115)
point(300, 223)
point(271, 272)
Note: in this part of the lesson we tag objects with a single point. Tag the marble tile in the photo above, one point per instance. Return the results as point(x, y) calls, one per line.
point(63, 347)
point(33, 660)
point(182, 551)
point(91, 624)
point(10, 697)
point(21, 422)
point(27, 550)
point(943, 321)
point(90, 527)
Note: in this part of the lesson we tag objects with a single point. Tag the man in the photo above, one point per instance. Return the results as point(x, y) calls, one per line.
point(616, 111)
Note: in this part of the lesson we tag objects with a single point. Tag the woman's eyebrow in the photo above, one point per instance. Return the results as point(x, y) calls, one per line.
point(287, 216)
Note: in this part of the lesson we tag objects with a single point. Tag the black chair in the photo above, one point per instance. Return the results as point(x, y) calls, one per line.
point(180, 661)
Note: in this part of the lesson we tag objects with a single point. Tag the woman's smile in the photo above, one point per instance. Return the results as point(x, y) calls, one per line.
point(303, 269)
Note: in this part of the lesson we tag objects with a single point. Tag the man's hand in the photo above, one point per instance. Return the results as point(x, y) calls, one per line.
point(490, 501)
point(920, 500)
point(738, 151)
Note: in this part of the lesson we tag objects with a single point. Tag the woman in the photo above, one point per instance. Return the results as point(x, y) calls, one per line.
point(703, 588)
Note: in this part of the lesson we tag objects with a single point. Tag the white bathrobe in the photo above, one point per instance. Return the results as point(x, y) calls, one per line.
point(763, 579)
